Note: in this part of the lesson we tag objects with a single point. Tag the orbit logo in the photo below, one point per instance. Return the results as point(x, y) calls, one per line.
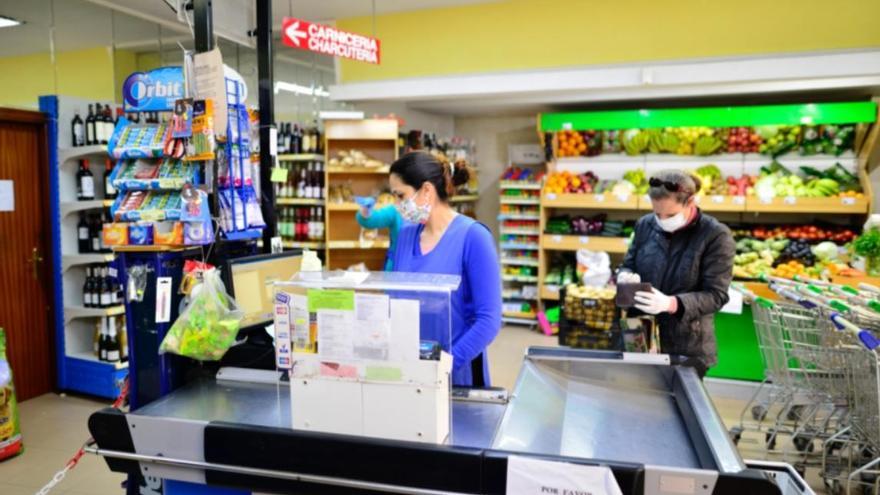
point(153, 91)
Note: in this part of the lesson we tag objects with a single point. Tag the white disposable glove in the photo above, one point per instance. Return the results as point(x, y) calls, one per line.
point(628, 278)
point(655, 302)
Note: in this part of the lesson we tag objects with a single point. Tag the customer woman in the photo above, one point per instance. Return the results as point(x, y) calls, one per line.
point(436, 239)
point(386, 217)
point(687, 256)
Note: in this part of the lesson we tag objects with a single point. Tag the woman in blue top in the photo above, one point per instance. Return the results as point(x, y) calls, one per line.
point(386, 217)
point(436, 239)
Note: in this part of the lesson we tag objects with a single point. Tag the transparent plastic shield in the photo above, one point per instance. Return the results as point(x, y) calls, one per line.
point(369, 353)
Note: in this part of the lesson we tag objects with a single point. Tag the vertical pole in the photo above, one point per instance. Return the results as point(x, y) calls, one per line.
point(203, 25)
point(265, 68)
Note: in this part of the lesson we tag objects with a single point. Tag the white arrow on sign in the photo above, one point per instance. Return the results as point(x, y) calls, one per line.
point(294, 33)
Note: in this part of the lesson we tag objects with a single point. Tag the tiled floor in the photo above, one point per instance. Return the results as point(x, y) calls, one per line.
point(55, 426)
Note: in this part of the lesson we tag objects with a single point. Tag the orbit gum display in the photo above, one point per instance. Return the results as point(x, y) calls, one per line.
point(207, 327)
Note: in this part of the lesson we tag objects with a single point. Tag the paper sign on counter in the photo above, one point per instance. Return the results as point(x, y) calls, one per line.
point(526, 476)
point(341, 300)
point(405, 330)
point(299, 323)
point(335, 333)
point(372, 326)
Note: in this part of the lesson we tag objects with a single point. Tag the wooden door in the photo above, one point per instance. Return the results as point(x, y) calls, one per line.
point(25, 233)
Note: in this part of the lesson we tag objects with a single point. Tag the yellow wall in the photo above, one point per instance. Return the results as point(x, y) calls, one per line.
point(530, 34)
point(92, 74)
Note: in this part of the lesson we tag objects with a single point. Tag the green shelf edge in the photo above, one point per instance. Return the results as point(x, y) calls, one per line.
point(806, 114)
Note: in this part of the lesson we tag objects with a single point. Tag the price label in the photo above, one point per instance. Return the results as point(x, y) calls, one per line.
point(790, 200)
point(622, 197)
point(111, 272)
point(152, 215)
point(566, 126)
point(599, 198)
point(739, 200)
point(647, 199)
point(551, 196)
point(698, 199)
point(765, 200)
point(557, 239)
point(717, 199)
point(848, 201)
point(584, 240)
point(278, 174)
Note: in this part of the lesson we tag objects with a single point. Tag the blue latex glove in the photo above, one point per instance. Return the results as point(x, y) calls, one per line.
point(366, 203)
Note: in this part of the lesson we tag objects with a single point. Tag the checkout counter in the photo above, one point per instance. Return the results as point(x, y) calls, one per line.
point(649, 421)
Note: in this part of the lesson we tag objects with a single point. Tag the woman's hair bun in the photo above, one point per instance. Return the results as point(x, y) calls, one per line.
point(462, 174)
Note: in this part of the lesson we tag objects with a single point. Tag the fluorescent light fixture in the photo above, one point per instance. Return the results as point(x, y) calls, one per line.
point(8, 21)
point(340, 115)
point(300, 89)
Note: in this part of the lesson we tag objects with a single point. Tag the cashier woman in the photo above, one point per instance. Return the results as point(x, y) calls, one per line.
point(687, 256)
point(436, 239)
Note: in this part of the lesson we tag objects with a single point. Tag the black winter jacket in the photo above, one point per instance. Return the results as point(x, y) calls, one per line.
point(694, 264)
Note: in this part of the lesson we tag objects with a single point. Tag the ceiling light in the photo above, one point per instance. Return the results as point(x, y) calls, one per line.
point(8, 21)
point(300, 89)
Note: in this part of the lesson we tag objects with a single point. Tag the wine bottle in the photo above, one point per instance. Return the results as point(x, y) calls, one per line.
point(319, 227)
point(102, 343)
point(77, 130)
point(109, 189)
point(107, 124)
point(96, 338)
point(95, 229)
point(90, 126)
point(84, 242)
point(85, 182)
point(320, 180)
point(113, 351)
point(123, 338)
point(87, 289)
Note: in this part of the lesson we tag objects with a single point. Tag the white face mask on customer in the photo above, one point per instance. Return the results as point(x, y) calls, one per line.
point(672, 223)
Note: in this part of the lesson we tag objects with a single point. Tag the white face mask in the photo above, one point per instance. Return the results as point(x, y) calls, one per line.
point(672, 223)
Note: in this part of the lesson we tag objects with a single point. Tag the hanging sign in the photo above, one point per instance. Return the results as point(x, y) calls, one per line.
point(153, 91)
point(328, 40)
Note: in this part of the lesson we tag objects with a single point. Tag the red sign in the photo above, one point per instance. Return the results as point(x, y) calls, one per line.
point(329, 40)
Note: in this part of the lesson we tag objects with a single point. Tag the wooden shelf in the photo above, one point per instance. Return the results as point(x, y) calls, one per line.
point(300, 157)
point(548, 294)
point(464, 198)
point(513, 200)
point(525, 247)
point(302, 245)
point(70, 260)
point(73, 312)
point(88, 356)
point(717, 203)
point(791, 204)
point(343, 207)
point(65, 154)
point(382, 244)
point(358, 170)
point(512, 216)
point(611, 245)
point(590, 201)
point(299, 201)
point(366, 129)
point(521, 185)
point(68, 207)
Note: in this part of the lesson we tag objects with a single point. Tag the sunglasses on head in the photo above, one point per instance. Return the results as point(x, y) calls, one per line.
point(670, 186)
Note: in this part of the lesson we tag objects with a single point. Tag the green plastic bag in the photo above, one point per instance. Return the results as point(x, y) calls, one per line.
point(10, 431)
point(207, 327)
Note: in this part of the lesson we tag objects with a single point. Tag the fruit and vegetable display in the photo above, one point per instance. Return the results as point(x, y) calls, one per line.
point(597, 225)
point(520, 271)
point(562, 270)
point(815, 233)
point(566, 182)
point(771, 140)
point(808, 252)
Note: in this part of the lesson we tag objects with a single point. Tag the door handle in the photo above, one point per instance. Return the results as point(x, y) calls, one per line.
point(35, 260)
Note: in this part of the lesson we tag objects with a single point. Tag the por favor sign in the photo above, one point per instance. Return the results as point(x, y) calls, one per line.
point(328, 40)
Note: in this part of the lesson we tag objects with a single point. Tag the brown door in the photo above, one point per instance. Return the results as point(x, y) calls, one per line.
point(25, 234)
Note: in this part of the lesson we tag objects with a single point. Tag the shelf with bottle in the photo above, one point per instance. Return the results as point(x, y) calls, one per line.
point(296, 142)
point(103, 340)
point(304, 184)
point(96, 128)
point(73, 312)
point(301, 225)
point(69, 261)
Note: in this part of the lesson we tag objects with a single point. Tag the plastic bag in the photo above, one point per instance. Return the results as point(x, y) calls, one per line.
point(206, 328)
point(593, 267)
point(10, 432)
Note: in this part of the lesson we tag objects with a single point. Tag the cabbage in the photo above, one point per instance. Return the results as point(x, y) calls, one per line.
point(825, 251)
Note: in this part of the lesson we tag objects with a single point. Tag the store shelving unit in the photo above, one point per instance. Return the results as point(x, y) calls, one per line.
point(378, 140)
point(519, 260)
point(76, 366)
